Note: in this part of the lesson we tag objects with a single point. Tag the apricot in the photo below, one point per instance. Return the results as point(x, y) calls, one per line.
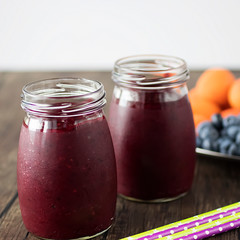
point(234, 94)
point(198, 119)
point(204, 107)
point(193, 95)
point(213, 85)
point(230, 111)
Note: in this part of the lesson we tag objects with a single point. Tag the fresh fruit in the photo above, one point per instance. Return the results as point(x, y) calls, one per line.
point(232, 149)
point(198, 119)
point(204, 107)
point(207, 144)
point(232, 131)
point(224, 145)
point(217, 121)
point(231, 121)
point(230, 111)
point(237, 139)
point(216, 91)
point(216, 96)
point(193, 94)
point(206, 130)
point(213, 85)
point(234, 95)
point(220, 134)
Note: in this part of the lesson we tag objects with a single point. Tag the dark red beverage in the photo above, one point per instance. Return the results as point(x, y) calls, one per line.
point(152, 128)
point(154, 146)
point(66, 174)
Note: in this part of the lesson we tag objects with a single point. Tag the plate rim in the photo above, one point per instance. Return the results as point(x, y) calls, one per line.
point(206, 152)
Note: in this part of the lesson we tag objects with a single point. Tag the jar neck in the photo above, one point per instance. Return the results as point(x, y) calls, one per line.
point(63, 97)
point(150, 72)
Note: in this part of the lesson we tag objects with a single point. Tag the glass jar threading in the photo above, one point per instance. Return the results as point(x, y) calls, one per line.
point(63, 97)
point(150, 72)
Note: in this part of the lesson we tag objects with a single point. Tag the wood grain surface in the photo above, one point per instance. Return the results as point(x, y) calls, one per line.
point(216, 183)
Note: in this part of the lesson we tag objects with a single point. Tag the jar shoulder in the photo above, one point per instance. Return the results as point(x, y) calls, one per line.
point(123, 95)
point(35, 123)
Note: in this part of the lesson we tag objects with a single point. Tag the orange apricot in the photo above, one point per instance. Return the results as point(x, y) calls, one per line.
point(234, 94)
point(198, 119)
point(204, 107)
point(213, 85)
point(193, 95)
point(230, 111)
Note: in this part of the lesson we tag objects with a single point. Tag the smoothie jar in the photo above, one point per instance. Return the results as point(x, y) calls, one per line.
point(152, 128)
point(66, 170)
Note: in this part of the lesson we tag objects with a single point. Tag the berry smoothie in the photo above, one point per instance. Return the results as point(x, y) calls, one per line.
point(66, 176)
point(154, 145)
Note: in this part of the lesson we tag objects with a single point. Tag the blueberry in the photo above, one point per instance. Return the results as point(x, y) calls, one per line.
point(224, 144)
point(217, 121)
point(220, 140)
point(207, 144)
point(232, 131)
point(198, 142)
point(203, 125)
point(209, 132)
point(203, 133)
point(215, 145)
point(237, 139)
point(223, 132)
point(213, 134)
point(231, 120)
point(220, 135)
point(237, 151)
point(232, 149)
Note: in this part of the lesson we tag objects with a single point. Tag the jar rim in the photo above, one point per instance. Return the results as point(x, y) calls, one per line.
point(154, 57)
point(63, 97)
point(150, 71)
point(25, 91)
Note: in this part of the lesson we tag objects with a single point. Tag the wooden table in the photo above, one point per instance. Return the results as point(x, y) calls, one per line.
point(216, 184)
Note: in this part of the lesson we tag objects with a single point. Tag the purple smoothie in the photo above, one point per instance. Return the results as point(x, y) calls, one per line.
point(154, 144)
point(66, 176)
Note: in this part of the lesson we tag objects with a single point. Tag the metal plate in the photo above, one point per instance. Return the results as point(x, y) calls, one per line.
point(219, 155)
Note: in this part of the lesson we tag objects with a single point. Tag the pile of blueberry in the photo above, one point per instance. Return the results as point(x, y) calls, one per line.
point(220, 135)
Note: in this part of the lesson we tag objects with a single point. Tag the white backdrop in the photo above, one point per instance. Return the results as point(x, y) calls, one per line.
point(92, 34)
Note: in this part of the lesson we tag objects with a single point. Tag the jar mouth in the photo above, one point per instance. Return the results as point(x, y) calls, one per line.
point(59, 97)
point(150, 71)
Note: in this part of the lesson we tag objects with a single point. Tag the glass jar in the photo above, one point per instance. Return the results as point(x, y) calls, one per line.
point(66, 170)
point(152, 128)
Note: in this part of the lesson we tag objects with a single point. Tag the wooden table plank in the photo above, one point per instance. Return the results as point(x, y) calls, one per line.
point(12, 226)
point(216, 183)
point(9, 132)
